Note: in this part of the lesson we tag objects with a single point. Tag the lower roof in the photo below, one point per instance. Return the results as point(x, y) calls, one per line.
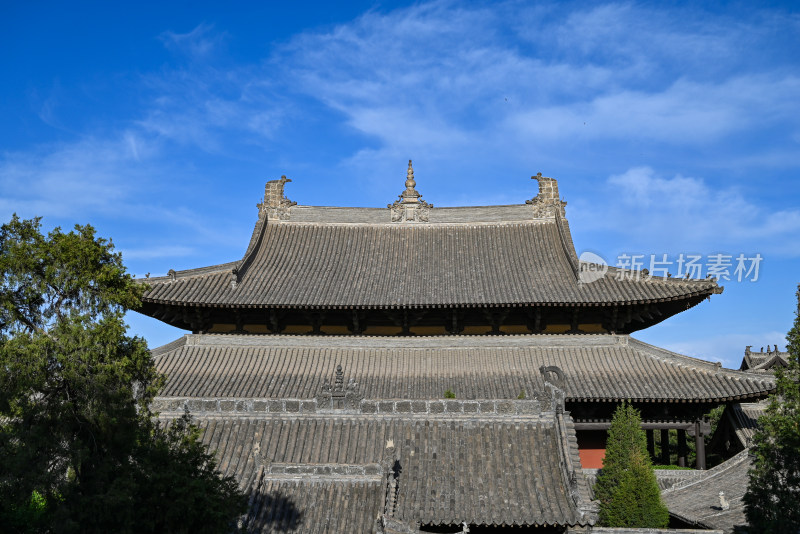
point(318, 503)
point(743, 418)
point(698, 501)
point(315, 470)
point(597, 368)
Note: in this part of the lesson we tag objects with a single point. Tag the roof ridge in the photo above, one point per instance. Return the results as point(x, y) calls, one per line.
point(451, 341)
point(688, 360)
point(420, 224)
point(647, 277)
point(715, 471)
point(169, 347)
point(188, 273)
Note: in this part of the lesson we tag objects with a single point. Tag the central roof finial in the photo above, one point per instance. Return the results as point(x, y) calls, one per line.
point(410, 195)
point(409, 207)
point(410, 183)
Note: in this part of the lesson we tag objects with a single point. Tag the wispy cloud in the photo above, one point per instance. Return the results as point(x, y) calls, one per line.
point(157, 252)
point(197, 44)
point(213, 110)
point(686, 214)
point(74, 179)
point(686, 113)
point(438, 79)
point(469, 91)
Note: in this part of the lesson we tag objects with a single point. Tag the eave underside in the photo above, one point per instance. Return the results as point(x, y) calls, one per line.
point(499, 319)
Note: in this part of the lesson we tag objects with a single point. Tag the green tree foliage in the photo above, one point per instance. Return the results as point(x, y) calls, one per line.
point(772, 501)
point(626, 486)
point(79, 448)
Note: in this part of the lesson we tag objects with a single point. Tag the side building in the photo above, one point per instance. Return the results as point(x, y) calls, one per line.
point(461, 359)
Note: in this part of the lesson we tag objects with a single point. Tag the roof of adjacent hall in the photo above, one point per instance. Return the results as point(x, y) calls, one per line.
point(322, 470)
point(697, 501)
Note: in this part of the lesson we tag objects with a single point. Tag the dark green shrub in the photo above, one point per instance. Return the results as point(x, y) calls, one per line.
point(626, 486)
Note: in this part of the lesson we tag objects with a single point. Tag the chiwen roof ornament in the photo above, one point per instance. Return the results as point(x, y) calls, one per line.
point(547, 203)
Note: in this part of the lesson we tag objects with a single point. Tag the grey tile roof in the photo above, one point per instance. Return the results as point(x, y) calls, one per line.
point(316, 503)
point(666, 478)
point(764, 362)
point(475, 470)
point(356, 258)
point(697, 501)
point(743, 417)
point(596, 368)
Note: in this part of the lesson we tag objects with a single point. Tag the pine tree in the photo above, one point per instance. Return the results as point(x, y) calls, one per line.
point(626, 486)
point(772, 501)
point(80, 450)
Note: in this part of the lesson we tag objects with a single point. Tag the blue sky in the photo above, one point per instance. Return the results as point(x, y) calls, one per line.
point(671, 129)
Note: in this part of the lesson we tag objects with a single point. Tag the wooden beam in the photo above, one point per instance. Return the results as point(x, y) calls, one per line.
point(686, 425)
point(700, 445)
point(682, 451)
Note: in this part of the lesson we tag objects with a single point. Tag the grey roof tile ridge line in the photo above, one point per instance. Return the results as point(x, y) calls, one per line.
point(354, 342)
point(613, 269)
point(302, 478)
point(716, 471)
point(437, 207)
point(254, 246)
point(169, 347)
point(547, 419)
point(568, 246)
point(415, 224)
point(583, 507)
point(198, 271)
point(774, 358)
point(763, 403)
point(691, 361)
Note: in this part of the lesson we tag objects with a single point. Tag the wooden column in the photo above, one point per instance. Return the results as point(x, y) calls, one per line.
point(651, 445)
point(700, 445)
point(682, 447)
point(665, 446)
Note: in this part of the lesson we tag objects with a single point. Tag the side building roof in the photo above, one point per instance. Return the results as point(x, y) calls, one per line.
point(763, 362)
point(414, 256)
point(342, 473)
point(698, 502)
point(597, 368)
point(743, 418)
point(737, 426)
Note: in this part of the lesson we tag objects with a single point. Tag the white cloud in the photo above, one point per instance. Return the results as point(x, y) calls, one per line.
point(685, 214)
point(455, 87)
point(69, 180)
point(150, 253)
point(196, 44)
point(440, 79)
point(686, 113)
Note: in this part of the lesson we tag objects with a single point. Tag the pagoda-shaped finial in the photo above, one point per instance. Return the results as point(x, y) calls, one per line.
point(410, 183)
point(408, 206)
